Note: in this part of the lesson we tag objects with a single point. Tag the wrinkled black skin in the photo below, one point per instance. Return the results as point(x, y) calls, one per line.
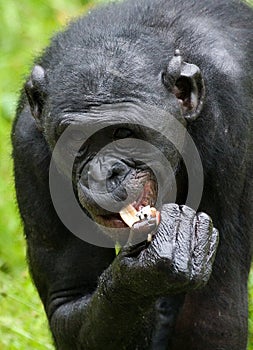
point(90, 305)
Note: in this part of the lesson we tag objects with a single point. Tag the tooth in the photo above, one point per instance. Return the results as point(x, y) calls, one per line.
point(128, 215)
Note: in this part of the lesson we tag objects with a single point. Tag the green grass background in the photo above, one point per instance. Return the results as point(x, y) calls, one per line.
point(26, 27)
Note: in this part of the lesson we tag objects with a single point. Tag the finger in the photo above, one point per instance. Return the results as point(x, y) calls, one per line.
point(213, 246)
point(202, 244)
point(184, 237)
point(211, 256)
point(165, 237)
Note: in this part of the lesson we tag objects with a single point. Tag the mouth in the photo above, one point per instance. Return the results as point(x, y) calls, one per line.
point(147, 197)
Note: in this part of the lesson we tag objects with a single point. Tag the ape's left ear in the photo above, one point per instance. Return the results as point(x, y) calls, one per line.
point(186, 82)
point(36, 91)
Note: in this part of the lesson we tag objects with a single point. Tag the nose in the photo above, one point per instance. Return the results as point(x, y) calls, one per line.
point(113, 177)
point(100, 171)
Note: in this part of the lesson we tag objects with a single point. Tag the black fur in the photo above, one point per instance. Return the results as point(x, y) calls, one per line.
point(137, 39)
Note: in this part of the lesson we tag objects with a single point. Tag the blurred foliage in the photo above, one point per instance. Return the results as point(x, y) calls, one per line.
point(26, 27)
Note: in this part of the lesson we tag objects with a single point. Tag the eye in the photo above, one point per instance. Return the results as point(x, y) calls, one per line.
point(122, 133)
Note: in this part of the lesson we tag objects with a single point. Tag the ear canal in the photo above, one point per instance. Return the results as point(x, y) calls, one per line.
point(186, 82)
point(35, 89)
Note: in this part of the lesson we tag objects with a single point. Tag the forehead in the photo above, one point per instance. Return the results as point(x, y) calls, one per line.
point(107, 68)
point(102, 80)
point(109, 64)
point(140, 117)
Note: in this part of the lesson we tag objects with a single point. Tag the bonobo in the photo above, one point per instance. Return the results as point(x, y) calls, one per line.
point(141, 107)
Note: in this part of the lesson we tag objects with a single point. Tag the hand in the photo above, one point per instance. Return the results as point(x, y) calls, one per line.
point(179, 257)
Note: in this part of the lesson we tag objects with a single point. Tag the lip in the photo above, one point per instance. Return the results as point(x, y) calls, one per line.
point(113, 221)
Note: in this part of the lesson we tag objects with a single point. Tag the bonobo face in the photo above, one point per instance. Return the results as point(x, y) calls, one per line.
point(126, 144)
point(120, 157)
point(114, 171)
point(121, 165)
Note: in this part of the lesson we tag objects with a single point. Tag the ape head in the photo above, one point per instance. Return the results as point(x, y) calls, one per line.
point(120, 128)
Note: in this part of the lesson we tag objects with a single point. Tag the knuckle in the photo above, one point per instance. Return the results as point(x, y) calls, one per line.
point(187, 210)
point(203, 217)
point(170, 207)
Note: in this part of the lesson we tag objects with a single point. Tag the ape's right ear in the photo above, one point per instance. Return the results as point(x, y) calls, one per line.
point(36, 91)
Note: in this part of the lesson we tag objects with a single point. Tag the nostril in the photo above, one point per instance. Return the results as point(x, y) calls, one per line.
point(117, 169)
point(115, 177)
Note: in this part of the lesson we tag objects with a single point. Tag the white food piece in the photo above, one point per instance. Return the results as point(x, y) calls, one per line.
point(146, 213)
point(130, 215)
